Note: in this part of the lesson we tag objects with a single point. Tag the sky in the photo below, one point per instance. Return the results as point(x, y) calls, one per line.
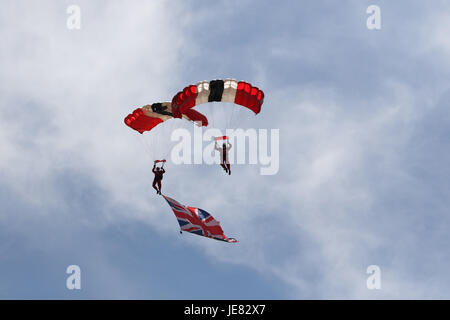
point(363, 146)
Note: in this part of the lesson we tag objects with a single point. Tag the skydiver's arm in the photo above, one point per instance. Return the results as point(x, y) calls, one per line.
point(216, 147)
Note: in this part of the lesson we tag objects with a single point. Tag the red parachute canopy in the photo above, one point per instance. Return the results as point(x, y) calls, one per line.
point(229, 90)
point(141, 122)
point(149, 116)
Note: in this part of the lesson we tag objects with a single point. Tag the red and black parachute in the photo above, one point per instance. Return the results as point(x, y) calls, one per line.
point(228, 90)
point(149, 116)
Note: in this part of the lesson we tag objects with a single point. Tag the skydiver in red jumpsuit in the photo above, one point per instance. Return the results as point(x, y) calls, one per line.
point(158, 177)
point(224, 156)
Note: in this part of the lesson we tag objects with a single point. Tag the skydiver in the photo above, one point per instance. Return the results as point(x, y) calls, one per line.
point(225, 164)
point(158, 177)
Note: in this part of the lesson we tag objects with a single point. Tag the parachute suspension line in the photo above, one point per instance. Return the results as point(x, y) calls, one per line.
point(233, 115)
point(224, 118)
point(239, 111)
point(144, 144)
point(216, 114)
point(245, 119)
point(232, 118)
point(165, 144)
point(213, 114)
point(154, 146)
point(147, 148)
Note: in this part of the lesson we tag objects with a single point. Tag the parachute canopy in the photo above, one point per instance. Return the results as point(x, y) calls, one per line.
point(228, 90)
point(149, 116)
point(197, 221)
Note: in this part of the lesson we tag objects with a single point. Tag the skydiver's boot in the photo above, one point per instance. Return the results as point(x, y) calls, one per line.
point(224, 167)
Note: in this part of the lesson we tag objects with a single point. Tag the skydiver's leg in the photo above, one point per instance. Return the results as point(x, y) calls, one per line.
point(224, 161)
point(224, 167)
point(154, 185)
point(159, 186)
point(229, 168)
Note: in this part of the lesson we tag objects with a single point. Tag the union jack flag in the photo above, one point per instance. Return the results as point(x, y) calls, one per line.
point(197, 221)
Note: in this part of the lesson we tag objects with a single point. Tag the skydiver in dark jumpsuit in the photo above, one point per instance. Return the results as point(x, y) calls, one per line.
point(158, 177)
point(224, 156)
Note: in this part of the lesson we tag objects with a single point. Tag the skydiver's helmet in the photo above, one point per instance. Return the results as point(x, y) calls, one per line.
point(158, 169)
